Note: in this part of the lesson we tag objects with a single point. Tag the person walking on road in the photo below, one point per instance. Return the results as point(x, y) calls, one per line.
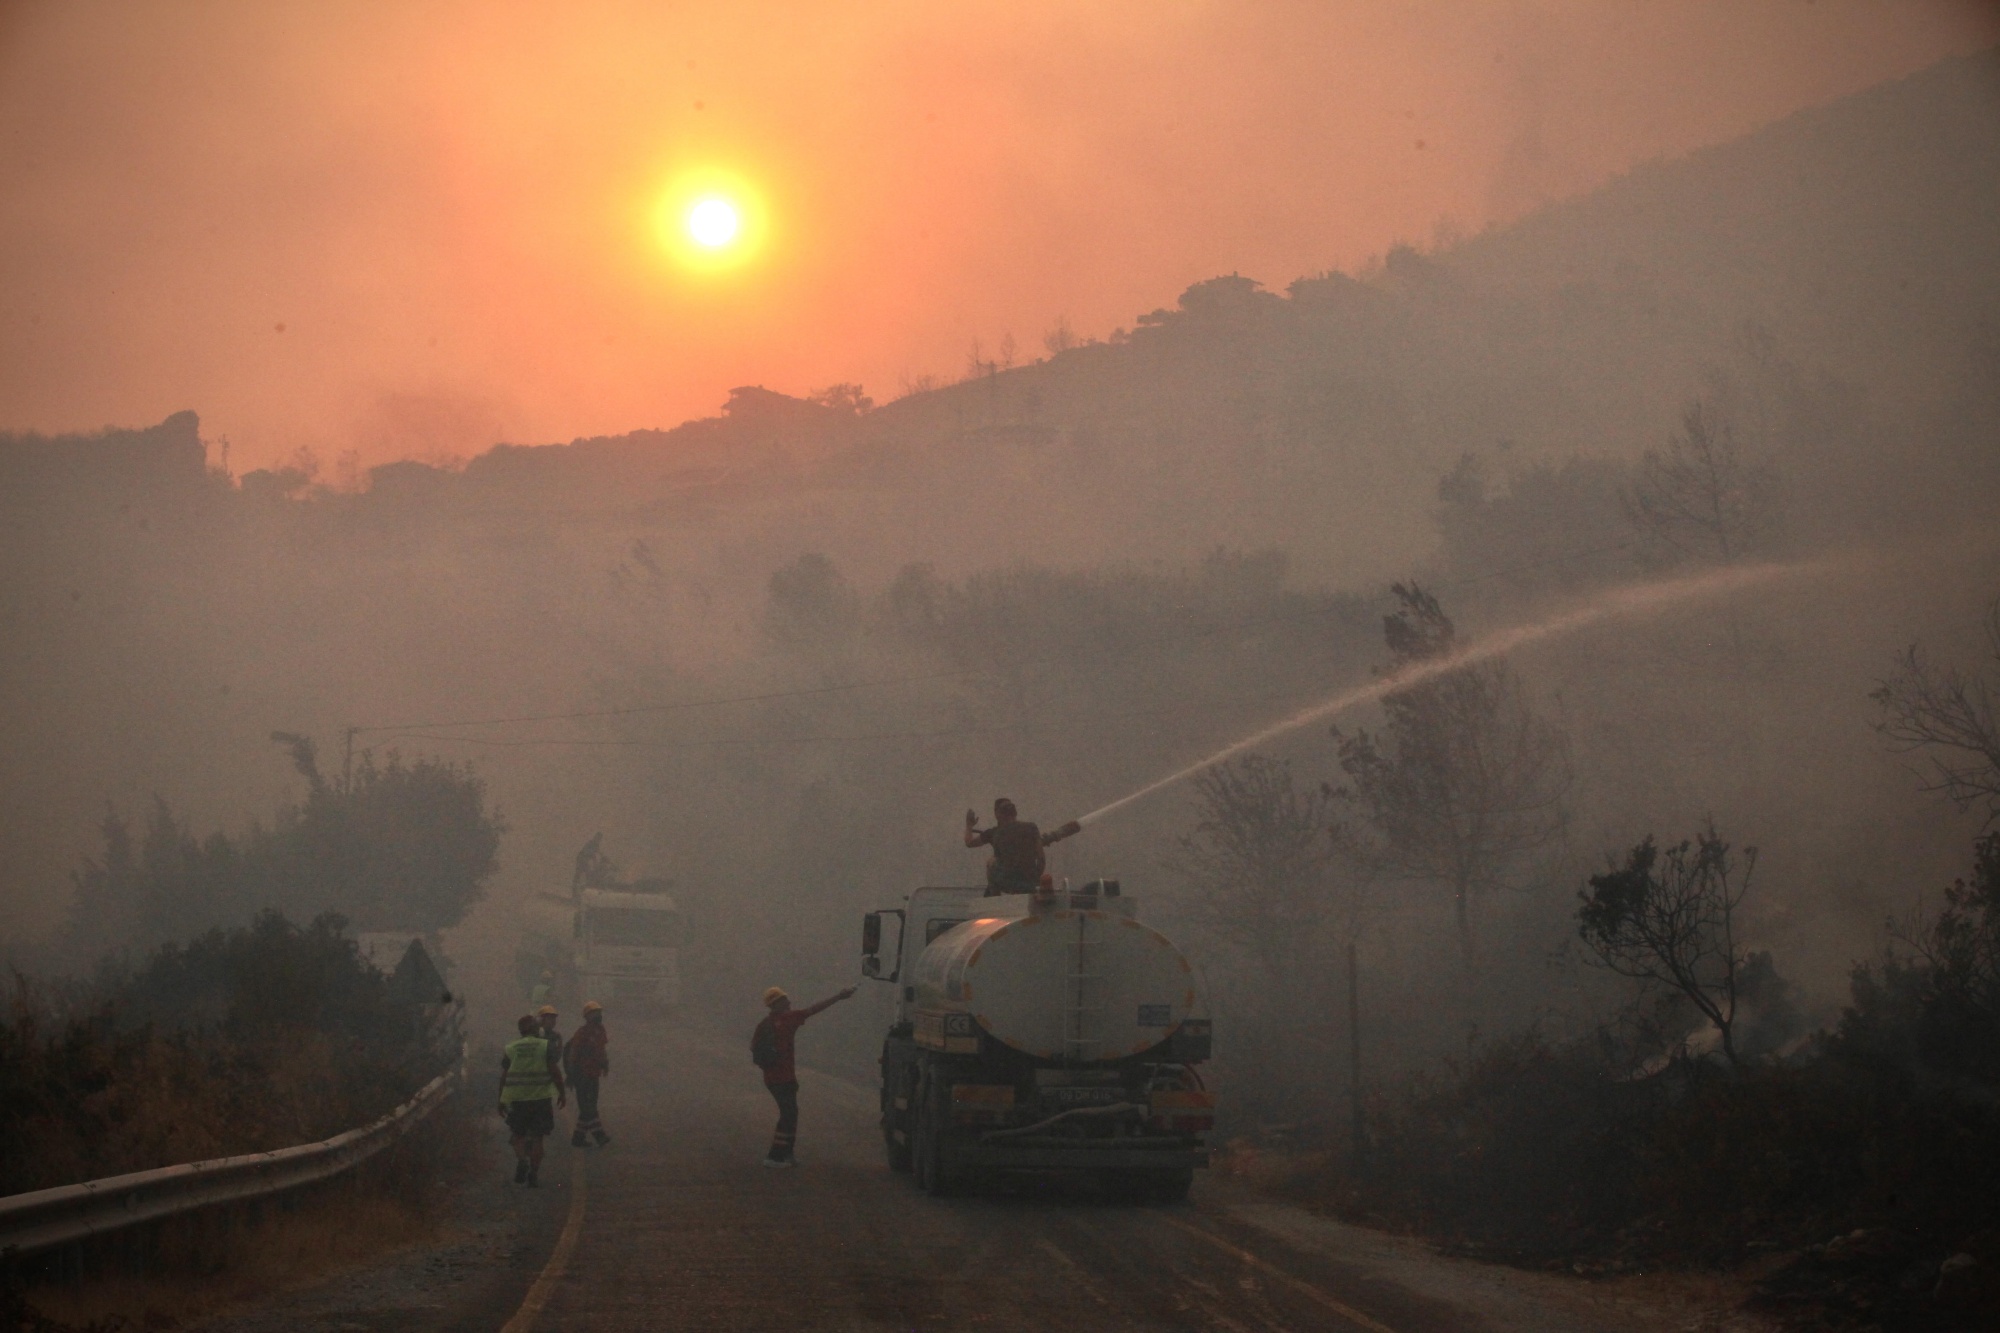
point(528, 1082)
point(587, 1062)
point(1018, 861)
point(771, 1046)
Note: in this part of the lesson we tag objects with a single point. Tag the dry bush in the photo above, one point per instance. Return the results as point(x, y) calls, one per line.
point(207, 1263)
point(240, 1041)
point(1539, 1154)
point(1526, 1150)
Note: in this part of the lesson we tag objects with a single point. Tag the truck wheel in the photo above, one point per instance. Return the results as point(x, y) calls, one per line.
point(920, 1125)
point(897, 1151)
point(1171, 1186)
point(932, 1177)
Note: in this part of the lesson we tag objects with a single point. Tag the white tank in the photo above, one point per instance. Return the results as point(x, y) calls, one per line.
point(1079, 985)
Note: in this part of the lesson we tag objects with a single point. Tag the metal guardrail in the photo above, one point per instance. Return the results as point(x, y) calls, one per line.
point(42, 1219)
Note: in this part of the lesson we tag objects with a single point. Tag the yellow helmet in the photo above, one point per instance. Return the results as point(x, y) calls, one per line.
point(547, 1011)
point(773, 995)
point(592, 1007)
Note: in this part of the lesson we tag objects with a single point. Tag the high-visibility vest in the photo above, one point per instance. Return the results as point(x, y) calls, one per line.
point(527, 1078)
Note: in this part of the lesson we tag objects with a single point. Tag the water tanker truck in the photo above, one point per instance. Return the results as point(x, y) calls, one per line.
point(1047, 1032)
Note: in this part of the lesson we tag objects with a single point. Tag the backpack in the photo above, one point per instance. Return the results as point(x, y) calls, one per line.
point(764, 1045)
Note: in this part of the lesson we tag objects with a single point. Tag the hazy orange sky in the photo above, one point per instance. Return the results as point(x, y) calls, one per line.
point(414, 229)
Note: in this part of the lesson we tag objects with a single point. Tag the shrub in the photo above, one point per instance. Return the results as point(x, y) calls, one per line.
point(1543, 1151)
point(390, 846)
point(238, 1041)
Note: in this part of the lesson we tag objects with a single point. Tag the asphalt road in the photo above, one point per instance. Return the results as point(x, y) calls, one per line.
point(678, 1226)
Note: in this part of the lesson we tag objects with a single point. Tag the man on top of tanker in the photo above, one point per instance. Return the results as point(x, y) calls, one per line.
point(1017, 862)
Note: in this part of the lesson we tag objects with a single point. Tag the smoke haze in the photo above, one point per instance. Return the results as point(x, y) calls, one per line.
point(411, 231)
point(1113, 363)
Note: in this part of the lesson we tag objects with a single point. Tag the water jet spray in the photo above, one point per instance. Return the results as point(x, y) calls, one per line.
point(1631, 601)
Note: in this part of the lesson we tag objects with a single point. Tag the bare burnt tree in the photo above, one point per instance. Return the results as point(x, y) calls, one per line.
point(1949, 716)
point(1260, 863)
point(1670, 920)
point(1700, 497)
point(1465, 787)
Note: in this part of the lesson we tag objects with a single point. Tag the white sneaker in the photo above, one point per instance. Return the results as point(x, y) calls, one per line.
point(772, 1161)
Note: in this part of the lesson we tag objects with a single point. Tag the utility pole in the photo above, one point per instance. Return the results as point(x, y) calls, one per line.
point(1354, 1053)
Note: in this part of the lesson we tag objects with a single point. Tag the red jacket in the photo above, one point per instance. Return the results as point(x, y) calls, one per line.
point(784, 1032)
point(585, 1054)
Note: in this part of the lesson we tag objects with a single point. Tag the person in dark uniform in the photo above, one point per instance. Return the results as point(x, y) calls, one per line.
point(587, 1062)
point(773, 1048)
point(1018, 862)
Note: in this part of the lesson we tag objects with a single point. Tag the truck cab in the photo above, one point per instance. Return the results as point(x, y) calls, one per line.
point(627, 945)
point(926, 914)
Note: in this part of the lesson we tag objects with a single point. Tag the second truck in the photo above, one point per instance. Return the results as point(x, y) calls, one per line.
point(1047, 1032)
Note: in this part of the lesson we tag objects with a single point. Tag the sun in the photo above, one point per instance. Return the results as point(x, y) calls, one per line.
point(711, 220)
point(714, 222)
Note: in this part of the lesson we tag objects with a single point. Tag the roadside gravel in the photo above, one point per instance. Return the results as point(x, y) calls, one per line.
point(488, 1244)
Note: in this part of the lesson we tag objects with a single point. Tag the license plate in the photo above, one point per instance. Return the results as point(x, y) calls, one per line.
point(1083, 1096)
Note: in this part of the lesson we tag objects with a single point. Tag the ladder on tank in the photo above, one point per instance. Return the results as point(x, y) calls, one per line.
point(1082, 1039)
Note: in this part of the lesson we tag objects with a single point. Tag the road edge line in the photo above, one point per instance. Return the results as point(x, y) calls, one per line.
point(552, 1272)
point(1298, 1284)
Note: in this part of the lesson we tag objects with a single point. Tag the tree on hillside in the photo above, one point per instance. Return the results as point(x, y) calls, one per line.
point(1962, 948)
point(1265, 882)
point(1464, 789)
point(1949, 715)
point(159, 884)
point(1538, 526)
point(1703, 496)
point(1262, 867)
point(913, 604)
point(1671, 921)
point(1949, 995)
point(1937, 1006)
point(809, 604)
point(844, 399)
point(391, 845)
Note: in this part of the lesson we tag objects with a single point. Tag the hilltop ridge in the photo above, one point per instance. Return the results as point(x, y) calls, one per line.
point(1853, 243)
point(1851, 251)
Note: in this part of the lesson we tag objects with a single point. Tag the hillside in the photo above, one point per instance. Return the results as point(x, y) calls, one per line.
point(1834, 278)
point(1849, 251)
